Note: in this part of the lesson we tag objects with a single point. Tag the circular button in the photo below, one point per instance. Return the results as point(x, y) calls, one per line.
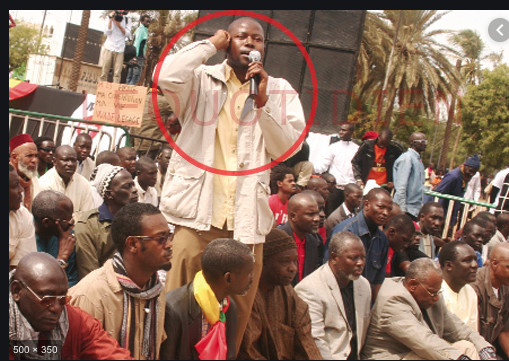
point(499, 30)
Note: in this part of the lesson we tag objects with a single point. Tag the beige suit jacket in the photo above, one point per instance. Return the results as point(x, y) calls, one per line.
point(330, 327)
point(398, 327)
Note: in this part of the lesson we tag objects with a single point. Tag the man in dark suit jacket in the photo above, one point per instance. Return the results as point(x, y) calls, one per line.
point(302, 226)
point(364, 161)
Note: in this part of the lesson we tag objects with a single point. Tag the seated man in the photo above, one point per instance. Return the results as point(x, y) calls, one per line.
point(94, 244)
point(473, 234)
point(64, 178)
point(54, 225)
point(377, 208)
point(409, 321)
point(145, 180)
point(399, 230)
point(492, 288)
point(347, 209)
point(283, 186)
point(40, 316)
point(431, 222)
point(279, 327)
point(126, 294)
point(21, 225)
point(201, 317)
point(339, 299)
point(302, 226)
point(459, 267)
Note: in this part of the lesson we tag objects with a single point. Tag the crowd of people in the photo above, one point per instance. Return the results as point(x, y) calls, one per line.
point(133, 256)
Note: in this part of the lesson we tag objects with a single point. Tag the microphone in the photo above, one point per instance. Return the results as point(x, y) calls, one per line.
point(254, 55)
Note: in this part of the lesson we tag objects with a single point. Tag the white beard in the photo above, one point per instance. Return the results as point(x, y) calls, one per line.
point(27, 172)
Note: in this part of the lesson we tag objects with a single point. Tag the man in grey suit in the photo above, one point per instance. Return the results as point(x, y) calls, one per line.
point(410, 321)
point(339, 299)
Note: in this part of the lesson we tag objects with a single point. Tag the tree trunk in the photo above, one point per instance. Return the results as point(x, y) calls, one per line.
point(450, 118)
point(79, 51)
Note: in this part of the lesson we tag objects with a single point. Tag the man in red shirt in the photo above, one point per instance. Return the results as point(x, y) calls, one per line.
point(374, 160)
point(283, 186)
point(302, 226)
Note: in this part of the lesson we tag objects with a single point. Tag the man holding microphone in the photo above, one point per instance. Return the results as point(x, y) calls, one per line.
point(229, 128)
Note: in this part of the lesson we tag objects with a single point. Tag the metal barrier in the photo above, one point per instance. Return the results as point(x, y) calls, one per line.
point(53, 126)
point(468, 203)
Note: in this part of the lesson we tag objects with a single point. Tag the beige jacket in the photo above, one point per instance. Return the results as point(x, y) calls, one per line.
point(197, 93)
point(398, 327)
point(330, 327)
point(101, 295)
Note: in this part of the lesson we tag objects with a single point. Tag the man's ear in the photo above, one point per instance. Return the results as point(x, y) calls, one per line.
point(227, 277)
point(448, 266)
point(412, 285)
point(15, 288)
point(131, 244)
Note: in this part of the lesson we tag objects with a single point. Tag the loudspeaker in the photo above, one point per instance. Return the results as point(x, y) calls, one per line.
point(332, 39)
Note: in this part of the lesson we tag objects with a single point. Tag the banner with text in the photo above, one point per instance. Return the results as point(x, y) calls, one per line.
point(120, 104)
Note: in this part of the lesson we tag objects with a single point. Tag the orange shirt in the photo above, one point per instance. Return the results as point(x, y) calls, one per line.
point(378, 172)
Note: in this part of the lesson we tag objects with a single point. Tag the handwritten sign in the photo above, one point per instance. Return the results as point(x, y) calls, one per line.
point(119, 104)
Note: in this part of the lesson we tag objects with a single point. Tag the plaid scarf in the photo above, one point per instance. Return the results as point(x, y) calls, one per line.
point(131, 293)
point(21, 333)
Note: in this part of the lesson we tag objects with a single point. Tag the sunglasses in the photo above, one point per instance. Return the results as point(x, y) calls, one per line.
point(158, 239)
point(47, 149)
point(432, 294)
point(48, 301)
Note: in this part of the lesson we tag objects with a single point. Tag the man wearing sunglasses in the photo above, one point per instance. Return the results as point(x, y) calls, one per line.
point(45, 150)
point(410, 321)
point(126, 294)
point(408, 175)
point(42, 325)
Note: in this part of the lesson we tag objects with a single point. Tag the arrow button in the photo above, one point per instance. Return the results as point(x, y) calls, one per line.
point(499, 30)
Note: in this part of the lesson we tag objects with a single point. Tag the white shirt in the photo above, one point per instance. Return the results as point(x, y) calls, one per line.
point(78, 189)
point(21, 234)
point(337, 159)
point(115, 39)
point(463, 304)
point(146, 196)
point(473, 190)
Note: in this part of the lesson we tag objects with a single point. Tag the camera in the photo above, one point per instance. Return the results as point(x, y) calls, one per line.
point(119, 15)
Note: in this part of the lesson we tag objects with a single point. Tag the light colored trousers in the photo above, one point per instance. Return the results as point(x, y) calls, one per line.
point(465, 347)
point(115, 59)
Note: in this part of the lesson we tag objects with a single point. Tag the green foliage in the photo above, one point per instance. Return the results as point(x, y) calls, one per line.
point(23, 41)
point(485, 118)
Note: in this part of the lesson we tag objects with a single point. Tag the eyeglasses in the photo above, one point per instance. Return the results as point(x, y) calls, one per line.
point(47, 149)
point(158, 239)
point(432, 294)
point(48, 301)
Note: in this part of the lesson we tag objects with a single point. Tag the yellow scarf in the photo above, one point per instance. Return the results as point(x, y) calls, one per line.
point(206, 298)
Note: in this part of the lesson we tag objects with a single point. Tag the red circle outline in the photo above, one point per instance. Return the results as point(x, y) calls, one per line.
point(314, 103)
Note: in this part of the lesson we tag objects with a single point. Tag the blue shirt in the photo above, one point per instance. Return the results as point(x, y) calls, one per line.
point(408, 175)
point(376, 245)
point(51, 246)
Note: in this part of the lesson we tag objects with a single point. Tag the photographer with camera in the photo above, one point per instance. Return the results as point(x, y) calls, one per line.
point(119, 27)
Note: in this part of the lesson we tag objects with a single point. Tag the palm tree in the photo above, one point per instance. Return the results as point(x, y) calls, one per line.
point(420, 66)
point(79, 50)
point(168, 24)
point(471, 47)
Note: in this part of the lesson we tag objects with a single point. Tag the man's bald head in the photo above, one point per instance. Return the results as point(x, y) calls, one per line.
point(499, 265)
point(238, 22)
point(300, 200)
point(38, 267)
